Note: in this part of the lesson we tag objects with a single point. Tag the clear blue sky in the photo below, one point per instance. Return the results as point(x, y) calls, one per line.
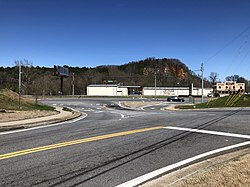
point(89, 33)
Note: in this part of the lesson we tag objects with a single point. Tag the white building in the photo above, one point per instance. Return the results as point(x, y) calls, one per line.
point(174, 91)
point(116, 90)
point(107, 90)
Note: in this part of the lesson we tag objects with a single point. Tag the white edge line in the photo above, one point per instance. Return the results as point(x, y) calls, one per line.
point(44, 126)
point(151, 175)
point(209, 132)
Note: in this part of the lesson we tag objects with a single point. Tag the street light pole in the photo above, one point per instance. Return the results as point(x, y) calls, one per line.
point(202, 82)
point(155, 85)
point(20, 84)
point(73, 85)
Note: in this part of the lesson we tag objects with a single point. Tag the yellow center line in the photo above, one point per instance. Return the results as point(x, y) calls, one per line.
point(74, 142)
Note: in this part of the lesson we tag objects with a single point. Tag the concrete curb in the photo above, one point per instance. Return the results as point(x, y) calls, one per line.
point(188, 172)
point(137, 108)
point(47, 120)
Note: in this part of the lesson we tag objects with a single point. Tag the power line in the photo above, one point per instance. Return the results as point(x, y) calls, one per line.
point(239, 57)
point(227, 44)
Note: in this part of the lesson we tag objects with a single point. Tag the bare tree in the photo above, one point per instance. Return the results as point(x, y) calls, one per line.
point(213, 77)
point(26, 74)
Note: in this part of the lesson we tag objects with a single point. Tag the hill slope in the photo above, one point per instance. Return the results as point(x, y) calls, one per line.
point(9, 100)
point(39, 81)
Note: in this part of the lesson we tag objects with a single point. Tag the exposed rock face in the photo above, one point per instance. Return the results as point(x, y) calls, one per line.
point(175, 71)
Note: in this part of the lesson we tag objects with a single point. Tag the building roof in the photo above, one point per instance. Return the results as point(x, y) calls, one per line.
point(166, 88)
point(111, 85)
point(129, 86)
point(102, 85)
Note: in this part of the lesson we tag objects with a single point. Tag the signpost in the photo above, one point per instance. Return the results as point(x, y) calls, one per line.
point(61, 72)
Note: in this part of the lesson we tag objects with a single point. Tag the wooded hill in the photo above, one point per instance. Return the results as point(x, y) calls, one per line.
point(40, 80)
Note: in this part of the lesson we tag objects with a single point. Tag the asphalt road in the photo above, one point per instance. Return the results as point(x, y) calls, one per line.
point(111, 145)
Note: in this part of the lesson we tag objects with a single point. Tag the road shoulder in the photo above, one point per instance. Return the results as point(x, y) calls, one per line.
point(60, 116)
point(230, 169)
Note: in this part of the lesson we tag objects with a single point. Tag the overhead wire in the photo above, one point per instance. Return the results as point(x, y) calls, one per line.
point(227, 44)
point(238, 58)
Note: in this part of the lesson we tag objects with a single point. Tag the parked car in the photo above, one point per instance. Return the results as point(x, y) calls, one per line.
point(175, 98)
point(209, 95)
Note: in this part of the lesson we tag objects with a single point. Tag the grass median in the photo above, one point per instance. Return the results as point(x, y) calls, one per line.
point(227, 101)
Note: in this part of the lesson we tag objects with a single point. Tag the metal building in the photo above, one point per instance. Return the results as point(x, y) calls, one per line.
point(106, 90)
point(175, 91)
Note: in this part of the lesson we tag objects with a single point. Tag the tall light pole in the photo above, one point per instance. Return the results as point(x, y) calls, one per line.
point(202, 81)
point(20, 84)
point(155, 85)
point(73, 85)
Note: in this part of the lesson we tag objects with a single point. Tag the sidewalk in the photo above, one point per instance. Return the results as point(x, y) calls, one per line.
point(61, 116)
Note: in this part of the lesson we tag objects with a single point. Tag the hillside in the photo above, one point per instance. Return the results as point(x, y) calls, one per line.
point(40, 80)
point(9, 100)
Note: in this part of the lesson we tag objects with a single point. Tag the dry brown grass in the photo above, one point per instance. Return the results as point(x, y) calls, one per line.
point(138, 104)
point(21, 115)
point(9, 100)
point(235, 172)
point(231, 169)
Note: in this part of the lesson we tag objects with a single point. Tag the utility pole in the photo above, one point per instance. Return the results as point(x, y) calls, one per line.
point(20, 84)
point(155, 85)
point(73, 85)
point(202, 81)
point(61, 77)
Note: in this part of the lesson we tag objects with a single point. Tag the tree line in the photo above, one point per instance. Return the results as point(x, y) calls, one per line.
point(41, 81)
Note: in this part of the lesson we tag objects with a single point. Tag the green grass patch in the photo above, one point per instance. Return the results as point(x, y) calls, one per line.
point(67, 109)
point(227, 101)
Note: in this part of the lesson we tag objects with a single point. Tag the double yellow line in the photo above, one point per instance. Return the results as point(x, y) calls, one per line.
point(64, 144)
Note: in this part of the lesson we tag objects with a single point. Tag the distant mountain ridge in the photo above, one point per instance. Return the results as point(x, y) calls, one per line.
point(168, 72)
point(40, 80)
point(150, 66)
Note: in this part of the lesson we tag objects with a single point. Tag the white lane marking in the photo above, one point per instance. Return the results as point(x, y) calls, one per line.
point(96, 112)
point(44, 126)
point(97, 104)
point(153, 174)
point(83, 108)
point(209, 132)
point(54, 104)
point(152, 108)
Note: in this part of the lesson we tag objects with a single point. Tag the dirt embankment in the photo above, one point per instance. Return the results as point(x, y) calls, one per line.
point(21, 115)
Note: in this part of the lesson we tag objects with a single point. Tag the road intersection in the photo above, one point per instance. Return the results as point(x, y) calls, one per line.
point(112, 146)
